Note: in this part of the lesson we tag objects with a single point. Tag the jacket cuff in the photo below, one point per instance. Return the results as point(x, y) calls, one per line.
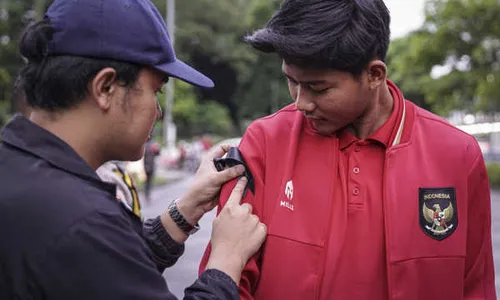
point(165, 249)
point(216, 277)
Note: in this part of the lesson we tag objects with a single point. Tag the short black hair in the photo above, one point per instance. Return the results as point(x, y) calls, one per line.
point(343, 35)
point(59, 82)
point(19, 97)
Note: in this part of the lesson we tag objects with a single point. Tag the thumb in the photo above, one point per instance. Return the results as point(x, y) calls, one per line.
point(229, 174)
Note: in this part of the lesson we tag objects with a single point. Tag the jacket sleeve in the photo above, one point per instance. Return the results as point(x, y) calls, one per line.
point(165, 250)
point(250, 147)
point(479, 274)
point(212, 285)
point(102, 257)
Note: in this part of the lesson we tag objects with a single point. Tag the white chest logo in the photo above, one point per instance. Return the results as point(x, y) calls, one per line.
point(289, 195)
point(289, 190)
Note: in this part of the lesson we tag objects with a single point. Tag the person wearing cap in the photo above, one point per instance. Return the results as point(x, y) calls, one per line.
point(93, 70)
point(365, 195)
point(111, 171)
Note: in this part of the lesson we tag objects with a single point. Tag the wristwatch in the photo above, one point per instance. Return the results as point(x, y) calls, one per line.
point(179, 219)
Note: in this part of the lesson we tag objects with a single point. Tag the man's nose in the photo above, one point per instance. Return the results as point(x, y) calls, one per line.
point(303, 101)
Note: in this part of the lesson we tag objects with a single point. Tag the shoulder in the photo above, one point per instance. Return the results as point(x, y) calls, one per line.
point(278, 123)
point(441, 127)
point(48, 203)
point(287, 114)
point(436, 132)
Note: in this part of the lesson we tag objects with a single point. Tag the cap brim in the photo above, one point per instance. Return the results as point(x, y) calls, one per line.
point(184, 72)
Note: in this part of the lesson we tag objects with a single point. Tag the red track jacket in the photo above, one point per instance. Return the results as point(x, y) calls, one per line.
point(431, 252)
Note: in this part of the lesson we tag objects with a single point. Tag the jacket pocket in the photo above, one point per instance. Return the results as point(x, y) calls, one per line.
point(290, 270)
point(428, 278)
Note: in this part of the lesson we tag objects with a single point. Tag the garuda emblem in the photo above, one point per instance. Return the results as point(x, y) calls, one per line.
point(438, 217)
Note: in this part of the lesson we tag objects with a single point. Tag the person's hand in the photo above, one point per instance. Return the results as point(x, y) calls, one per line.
point(203, 194)
point(236, 235)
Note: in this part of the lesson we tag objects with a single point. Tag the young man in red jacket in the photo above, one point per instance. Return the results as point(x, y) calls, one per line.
point(365, 195)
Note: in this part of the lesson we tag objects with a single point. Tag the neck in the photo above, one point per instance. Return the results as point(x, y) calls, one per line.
point(375, 115)
point(75, 130)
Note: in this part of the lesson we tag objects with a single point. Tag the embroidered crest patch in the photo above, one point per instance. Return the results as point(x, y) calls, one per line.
point(438, 212)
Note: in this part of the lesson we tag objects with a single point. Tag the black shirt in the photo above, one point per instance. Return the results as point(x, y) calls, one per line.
point(64, 236)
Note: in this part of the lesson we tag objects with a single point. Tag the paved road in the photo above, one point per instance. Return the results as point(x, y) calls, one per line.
point(184, 272)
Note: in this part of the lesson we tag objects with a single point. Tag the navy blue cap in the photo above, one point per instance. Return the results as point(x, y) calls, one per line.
point(125, 30)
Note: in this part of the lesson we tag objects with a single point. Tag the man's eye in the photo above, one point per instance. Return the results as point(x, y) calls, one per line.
point(318, 91)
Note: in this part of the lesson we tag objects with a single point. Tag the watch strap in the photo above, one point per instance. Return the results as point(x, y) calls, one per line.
point(180, 221)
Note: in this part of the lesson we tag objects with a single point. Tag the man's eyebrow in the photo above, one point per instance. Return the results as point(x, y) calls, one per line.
point(310, 82)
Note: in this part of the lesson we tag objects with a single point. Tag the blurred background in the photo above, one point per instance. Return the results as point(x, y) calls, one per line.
point(444, 55)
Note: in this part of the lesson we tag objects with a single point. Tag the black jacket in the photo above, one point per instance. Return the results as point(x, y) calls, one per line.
point(65, 236)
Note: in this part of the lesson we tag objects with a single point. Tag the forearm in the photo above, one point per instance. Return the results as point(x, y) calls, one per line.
point(172, 229)
point(190, 211)
point(165, 238)
point(230, 264)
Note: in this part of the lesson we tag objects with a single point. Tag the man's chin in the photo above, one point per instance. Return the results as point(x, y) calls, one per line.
point(326, 130)
point(133, 155)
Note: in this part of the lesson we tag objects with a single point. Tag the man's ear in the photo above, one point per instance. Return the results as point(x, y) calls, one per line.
point(103, 87)
point(377, 73)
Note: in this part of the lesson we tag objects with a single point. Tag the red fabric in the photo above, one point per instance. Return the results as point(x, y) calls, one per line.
point(294, 263)
point(358, 269)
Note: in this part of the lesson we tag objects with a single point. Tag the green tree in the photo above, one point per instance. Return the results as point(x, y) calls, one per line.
point(193, 117)
point(464, 36)
point(409, 61)
point(208, 36)
point(14, 15)
point(263, 89)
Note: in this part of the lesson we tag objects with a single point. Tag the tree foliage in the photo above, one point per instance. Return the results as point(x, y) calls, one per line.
point(460, 36)
point(463, 37)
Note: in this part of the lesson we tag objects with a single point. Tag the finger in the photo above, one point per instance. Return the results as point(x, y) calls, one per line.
point(248, 207)
point(218, 152)
point(226, 147)
point(263, 231)
point(237, 192)
point(263, 227)
point(255, 220)
point(229, 174)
